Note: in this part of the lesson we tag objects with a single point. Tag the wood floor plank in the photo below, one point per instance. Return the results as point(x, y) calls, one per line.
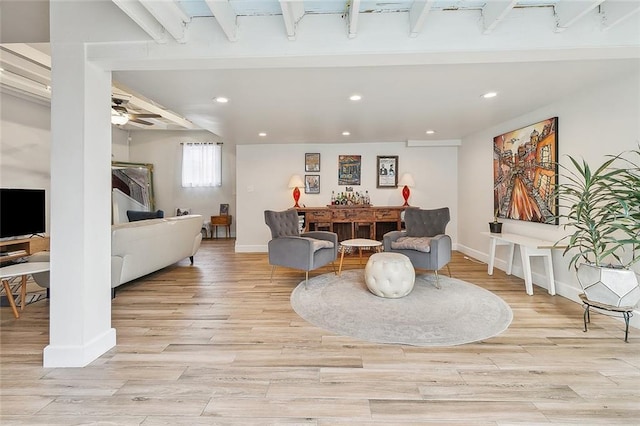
point(217, 342)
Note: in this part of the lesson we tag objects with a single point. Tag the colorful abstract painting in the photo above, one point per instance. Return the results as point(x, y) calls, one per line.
point(525, 173)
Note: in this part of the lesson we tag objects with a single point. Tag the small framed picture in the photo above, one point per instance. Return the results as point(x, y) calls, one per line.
point(387, 171)
point(311, 184)
point(312, 162)
point(224, 209)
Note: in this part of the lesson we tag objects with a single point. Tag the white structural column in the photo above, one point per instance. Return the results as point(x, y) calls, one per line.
point(80, 305)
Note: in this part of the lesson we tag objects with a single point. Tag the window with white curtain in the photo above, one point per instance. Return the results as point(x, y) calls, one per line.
point(201, 164)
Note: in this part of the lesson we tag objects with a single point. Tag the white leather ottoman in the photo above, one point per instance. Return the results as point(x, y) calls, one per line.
point(389, 275)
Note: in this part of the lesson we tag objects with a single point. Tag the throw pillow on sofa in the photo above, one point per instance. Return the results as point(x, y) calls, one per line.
point(135, 215)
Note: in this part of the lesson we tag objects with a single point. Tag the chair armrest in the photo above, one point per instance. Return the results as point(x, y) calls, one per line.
point(441, 249)
point(391, 236)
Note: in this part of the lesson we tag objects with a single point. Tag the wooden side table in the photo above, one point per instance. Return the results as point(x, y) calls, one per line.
point(223, 220)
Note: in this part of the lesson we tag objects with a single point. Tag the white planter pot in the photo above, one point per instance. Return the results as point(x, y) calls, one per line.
point(612, 286)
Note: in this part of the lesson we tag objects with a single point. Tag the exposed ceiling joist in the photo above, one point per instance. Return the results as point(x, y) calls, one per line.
point(615, 12)
point(570, 11)
point(418, 15)
point(292, 12)
point(141, 16)
point(494, 12)
point(354, 11)
point(226, 17)
point(10, 60)
point(170, 16)
point(24, 85)
point(30, 52)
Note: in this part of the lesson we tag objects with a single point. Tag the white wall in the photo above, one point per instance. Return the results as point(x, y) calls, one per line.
point(119, 144)
point(25, 142)
point(263, 172)
point(591, 124)
point(162, 149)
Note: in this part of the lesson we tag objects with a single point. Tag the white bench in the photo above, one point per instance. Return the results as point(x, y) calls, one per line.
point(529, 247)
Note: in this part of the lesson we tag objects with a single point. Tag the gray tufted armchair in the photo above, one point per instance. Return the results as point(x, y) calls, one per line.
point(289, 248)
point(424, 242)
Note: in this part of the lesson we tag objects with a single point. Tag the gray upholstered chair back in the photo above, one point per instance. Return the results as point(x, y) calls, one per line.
point(426, 223)
point(282, 224)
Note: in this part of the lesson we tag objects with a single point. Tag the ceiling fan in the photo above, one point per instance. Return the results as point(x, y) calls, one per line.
point(120, 115)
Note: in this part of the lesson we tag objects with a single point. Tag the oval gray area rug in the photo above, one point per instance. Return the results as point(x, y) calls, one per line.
point(457, 313)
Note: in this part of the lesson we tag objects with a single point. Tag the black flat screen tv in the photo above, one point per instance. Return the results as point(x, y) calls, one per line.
point(22, 212)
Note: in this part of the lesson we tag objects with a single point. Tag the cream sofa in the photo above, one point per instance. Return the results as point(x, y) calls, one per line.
point(142, 247)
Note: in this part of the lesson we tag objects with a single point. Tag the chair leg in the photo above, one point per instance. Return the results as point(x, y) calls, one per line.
point(335, 271)
point(273, 268)
point(306, 279)
point(437, 279)
point(449, 269)
point(10, 299)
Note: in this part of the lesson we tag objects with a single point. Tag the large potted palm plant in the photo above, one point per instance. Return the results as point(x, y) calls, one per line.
point(602, 209)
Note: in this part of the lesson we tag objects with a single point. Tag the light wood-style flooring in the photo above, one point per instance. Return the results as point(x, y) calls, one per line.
point(217, 343)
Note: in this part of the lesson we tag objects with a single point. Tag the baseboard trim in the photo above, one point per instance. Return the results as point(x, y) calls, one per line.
point(56, 356)
point(251, 248)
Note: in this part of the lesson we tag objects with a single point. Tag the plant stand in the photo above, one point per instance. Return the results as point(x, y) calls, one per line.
point(626, 311)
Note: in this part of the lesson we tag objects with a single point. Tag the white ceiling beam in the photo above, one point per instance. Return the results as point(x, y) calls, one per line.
point(615, 12)
point(141, 16)
point(494, 12)
point(25, 85)
point(432, 143)
point(226, 17)
point(569, 11)
point(30, 52)
point(418, 15)
point(10, 59)
point(354, 11)
point(292, 12)
point(170, 16)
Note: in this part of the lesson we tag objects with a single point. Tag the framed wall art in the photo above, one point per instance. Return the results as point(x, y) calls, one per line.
point(387, 171)
point(311, 184)
point(349, 167)
point(224, 209)
point(312, 162)
point(525, 173)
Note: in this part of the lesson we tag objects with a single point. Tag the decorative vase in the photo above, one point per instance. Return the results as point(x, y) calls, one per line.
point(495, 227)
point(611, 286)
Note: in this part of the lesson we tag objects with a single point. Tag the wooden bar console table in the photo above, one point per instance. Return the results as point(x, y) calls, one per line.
point(349, 222)
point(529, 247)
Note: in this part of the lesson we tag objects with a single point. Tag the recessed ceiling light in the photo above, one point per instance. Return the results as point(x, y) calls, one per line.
point(345, 133)
point(221, 99)
point(430, 132)
point(355, 97)
point(490, 95)
point(262, 134)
